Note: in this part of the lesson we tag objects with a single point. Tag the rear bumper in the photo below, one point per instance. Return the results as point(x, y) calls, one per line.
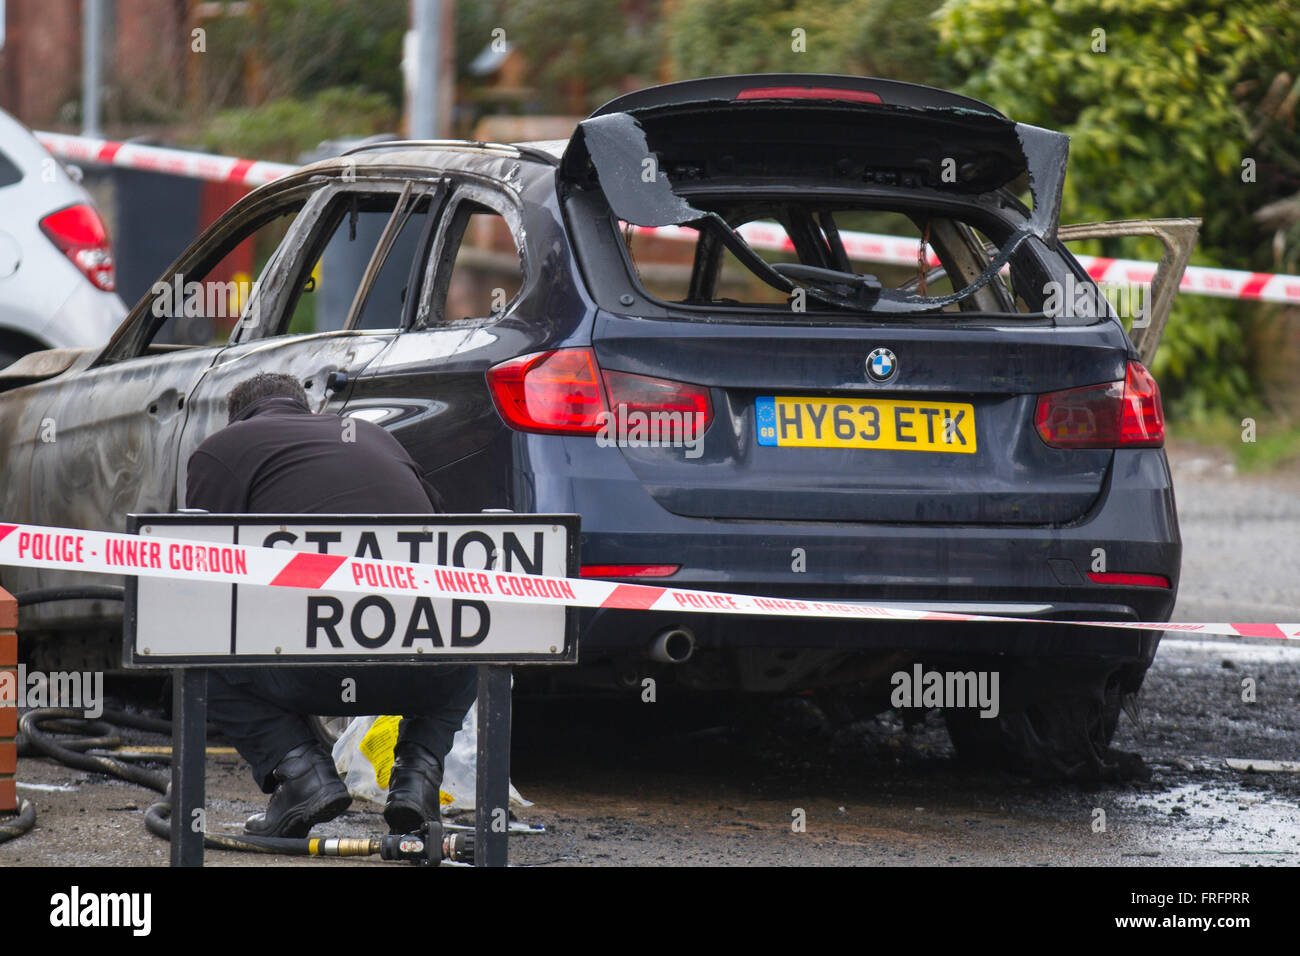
point(627, 634)
point(1013, 571)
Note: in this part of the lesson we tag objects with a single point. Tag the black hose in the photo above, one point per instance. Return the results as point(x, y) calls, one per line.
point(34, 723)
point(20, 824)
point(124, 718)
point(26, 818)
point(37, 726)
point(157, 820)
point(71, 752)
point(107, 740)
point(88, 593)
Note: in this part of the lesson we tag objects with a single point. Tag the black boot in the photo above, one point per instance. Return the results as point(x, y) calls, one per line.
point(309, 792)
point(413, 789)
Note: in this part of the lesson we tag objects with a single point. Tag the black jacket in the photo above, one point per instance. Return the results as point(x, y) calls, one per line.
point(279, 458)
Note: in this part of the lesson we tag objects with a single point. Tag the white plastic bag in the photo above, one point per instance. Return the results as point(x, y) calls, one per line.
point(363, 755)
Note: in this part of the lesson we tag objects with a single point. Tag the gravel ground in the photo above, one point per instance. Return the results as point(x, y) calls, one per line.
point(615, 786)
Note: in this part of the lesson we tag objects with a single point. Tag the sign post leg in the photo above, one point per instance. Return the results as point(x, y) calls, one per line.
point(491, 837)
point(189, 763)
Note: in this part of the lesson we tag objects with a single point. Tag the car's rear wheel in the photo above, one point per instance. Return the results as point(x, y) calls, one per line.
point(328, 729)
point(1055, 722)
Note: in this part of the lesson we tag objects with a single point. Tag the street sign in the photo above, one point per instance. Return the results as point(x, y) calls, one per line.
point(171, 623)
point(190, 626)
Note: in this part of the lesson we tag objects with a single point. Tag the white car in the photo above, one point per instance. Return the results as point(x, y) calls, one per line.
point(57, 284)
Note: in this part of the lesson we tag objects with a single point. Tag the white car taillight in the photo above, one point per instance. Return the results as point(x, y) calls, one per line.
point(79, 233)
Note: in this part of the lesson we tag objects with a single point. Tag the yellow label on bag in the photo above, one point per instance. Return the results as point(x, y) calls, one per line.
point(377, 747)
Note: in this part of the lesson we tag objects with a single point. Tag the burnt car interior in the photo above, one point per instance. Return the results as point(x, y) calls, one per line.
point(811, 231)
point(370, 289)
point(140, 335)
point(473, 277)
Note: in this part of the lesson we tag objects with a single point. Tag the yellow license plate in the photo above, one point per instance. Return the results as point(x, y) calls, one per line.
point(891, 424)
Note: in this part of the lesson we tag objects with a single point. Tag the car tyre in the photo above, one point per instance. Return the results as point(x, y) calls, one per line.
point(328, 729)
point(1055, 723)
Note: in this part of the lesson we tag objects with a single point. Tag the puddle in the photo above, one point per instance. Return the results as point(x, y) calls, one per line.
point(1217, 822)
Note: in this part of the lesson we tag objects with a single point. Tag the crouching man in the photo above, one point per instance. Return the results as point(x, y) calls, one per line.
point(278, 457)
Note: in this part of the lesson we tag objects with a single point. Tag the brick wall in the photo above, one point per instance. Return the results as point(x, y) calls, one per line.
point(151, 43)
point(40, 67)
point(144, 50)
point(8, 707)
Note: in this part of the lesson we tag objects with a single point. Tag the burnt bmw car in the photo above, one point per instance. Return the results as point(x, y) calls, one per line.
point(667, 325)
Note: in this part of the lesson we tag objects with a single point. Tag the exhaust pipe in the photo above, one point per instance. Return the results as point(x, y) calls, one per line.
point(674, 645)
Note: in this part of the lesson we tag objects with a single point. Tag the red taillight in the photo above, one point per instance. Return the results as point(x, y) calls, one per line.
point(1143, 422)
point(79, 234)
point(628, 570)
point(1124, 577)
point(1123, 414)
point(807, 93)
point(674, 411)
point(565, 391)
point(556, 391)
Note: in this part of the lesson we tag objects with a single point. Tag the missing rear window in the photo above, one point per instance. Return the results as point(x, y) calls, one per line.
point(848, 249)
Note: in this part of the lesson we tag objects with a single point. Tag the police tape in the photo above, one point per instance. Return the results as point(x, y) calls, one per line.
point(105, 552)
point(160, 159)
point(863, 246)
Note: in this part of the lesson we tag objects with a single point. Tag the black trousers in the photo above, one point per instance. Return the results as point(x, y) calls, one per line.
point(262, 710)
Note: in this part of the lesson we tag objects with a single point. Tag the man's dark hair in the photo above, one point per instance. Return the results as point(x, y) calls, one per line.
point(265, 385)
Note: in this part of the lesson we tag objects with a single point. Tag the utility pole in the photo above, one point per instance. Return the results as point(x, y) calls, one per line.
point(92, 29)
point(429, 69)
point(423, 121)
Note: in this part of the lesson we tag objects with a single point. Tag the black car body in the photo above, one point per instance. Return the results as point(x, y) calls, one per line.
point(1051, 500)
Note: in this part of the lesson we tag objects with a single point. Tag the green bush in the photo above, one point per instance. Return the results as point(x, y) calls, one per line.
point(1163, 123)
point(283, 129)
point(1204, 356)
point(892, 39)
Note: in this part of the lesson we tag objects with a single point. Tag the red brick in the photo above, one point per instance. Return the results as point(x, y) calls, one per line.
point(8, 611)
point(8, 794)
point(9, 686)
point(8, 722)
point(8, 756)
